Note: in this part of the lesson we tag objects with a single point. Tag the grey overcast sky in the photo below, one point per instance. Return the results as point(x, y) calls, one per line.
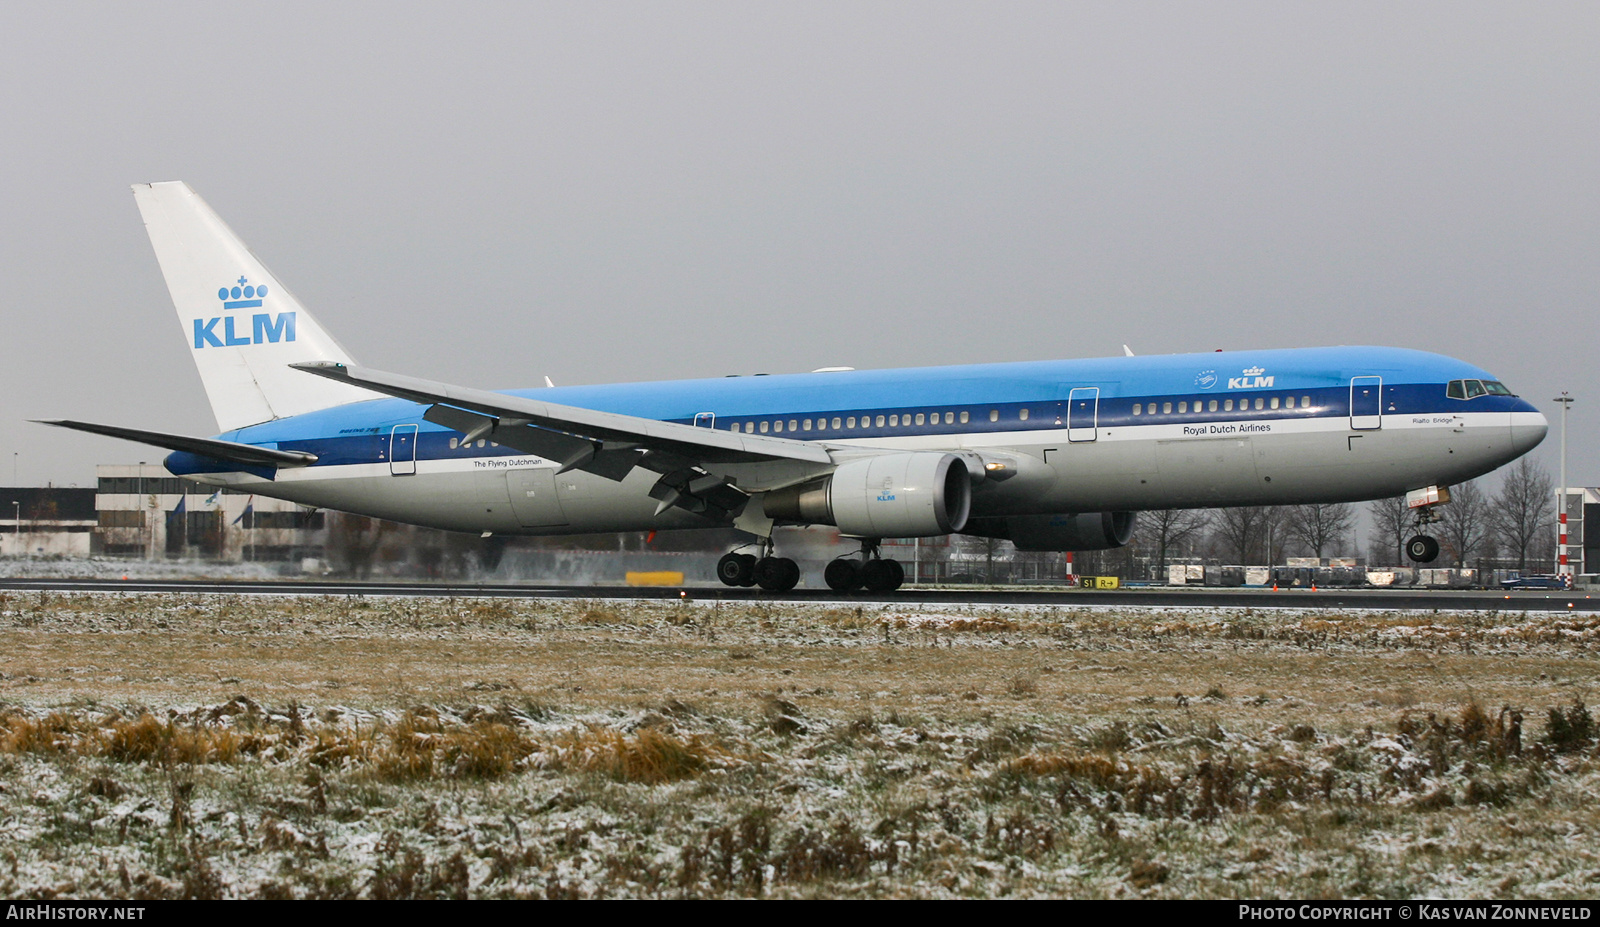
point(488, 193)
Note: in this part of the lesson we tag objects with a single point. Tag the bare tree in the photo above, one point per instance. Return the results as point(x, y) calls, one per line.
point(1467, 524)
point(1246, 531)
point(1168, 529)
point(1391, 524)
point(1319, 527)
point(1523, 509)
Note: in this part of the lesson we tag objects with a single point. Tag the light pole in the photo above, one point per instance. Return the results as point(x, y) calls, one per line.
point(1563, 568)
point(16, 515)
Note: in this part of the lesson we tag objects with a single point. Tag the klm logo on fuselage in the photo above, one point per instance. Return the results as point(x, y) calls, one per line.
point(1252, 379)
point(265, 327)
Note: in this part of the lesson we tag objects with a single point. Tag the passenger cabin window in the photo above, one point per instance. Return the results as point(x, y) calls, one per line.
point(1213, 406)
point(1227, 405)
point(1259, 403)
point(1305, 402)
point(1023, 415)
point(1136, 408)
point(880, 421)
point(1183, 407)
point(1274, 402)
point(763, 427)
point(1166, 408)
point(949, 418)
point(805, 424)
point(965, 418)
point(994, 415)
point(922, 419)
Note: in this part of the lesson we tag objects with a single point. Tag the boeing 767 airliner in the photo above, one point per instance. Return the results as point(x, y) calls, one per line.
point(1052, 455)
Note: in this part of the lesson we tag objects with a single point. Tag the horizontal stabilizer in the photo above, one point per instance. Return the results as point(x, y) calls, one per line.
point(232, 451)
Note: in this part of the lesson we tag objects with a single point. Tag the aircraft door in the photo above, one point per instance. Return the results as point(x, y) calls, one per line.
point(705, 420)
point(533, 497)
point(1083, 414)
point(403, 450)
point(1366, 403)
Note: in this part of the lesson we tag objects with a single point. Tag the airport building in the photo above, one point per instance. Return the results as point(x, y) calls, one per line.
point(145, 512)
point(47, 521)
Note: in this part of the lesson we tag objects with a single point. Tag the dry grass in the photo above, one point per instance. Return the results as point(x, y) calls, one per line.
point(689, 750)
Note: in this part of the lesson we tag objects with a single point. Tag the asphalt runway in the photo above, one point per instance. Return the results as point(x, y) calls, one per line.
point(1188, 597)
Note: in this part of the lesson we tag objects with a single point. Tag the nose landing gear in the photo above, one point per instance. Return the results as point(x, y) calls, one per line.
point(1423, 548)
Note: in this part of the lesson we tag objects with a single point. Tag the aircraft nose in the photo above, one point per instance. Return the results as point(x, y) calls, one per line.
point(1528, 428)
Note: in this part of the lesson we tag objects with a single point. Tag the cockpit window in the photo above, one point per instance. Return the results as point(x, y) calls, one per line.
point(1472, 389)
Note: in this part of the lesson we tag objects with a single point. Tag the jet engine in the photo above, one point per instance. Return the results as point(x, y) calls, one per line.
point(1085, 531)
point(916, 494)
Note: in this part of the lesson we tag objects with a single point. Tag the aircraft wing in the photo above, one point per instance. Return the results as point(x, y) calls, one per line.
point(232, 451)
point(605, 443)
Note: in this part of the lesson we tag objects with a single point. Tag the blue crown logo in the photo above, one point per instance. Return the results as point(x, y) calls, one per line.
point(242, 295)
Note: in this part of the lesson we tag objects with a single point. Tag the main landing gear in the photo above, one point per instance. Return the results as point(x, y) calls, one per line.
point(774, 574)
point(780, 574)
point(873, 573)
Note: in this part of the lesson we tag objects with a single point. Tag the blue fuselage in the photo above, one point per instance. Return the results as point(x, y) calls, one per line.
point(1121, 433)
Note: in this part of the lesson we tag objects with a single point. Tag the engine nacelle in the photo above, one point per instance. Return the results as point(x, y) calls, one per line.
point(1085, 531)
point(909, 495)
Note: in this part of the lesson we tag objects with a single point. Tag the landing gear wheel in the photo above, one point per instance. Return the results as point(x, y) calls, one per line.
point(842, 576)
point(1422, 549)
point(737, 570)
point(882, 575)
point(777, 574)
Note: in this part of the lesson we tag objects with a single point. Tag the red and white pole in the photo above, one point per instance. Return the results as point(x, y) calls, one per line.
point(1562, 567)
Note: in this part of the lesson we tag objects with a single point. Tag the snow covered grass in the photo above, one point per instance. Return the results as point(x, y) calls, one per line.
point(214, 746)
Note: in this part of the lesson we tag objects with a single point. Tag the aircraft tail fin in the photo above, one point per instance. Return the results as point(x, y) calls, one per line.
point(242, 325)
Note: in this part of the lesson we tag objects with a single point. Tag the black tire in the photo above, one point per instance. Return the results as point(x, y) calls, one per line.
point(736, 569)
point(842, 576)
point(881, 575)
point(777, 574)
point(1422, 549)
point(898, 573)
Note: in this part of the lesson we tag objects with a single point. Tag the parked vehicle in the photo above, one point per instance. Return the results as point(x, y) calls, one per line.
point(1534, 582)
